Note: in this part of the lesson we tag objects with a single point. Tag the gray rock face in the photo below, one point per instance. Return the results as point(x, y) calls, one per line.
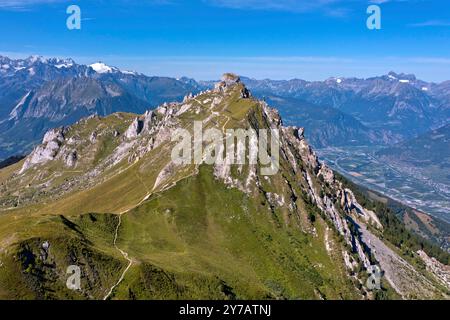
point(228, 80)
point(54, 135)
point(71, 159)
point(47, 151)
point(93, 137)
point(245, 94)
point(188, 97)
point(294, 137)
point(44, 250)
point(149, 119)
point(134, 129)
point(350, 204)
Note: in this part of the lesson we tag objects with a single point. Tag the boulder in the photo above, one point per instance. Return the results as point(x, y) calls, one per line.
point(134, 129)
point(71, 159)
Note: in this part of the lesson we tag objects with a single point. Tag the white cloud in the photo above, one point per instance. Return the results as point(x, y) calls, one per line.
point(15, 3)
point(274, 67)
point(332, 8)
point(431, 23)
point(296, 5)
point(282, 5)
point(25, 4)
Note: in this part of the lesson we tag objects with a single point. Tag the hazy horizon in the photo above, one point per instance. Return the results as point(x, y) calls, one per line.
point(201, 39)
point(309, 62)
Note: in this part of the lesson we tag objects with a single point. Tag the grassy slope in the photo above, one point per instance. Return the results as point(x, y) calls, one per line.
point(202, 240)
point(85, 241)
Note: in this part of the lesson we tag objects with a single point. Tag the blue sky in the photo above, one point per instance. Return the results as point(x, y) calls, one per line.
point(276, 39)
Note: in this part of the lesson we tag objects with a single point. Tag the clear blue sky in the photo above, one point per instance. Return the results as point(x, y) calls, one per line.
point(258, 38)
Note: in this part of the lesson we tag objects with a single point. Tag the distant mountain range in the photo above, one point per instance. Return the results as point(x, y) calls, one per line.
point(389, 108)
point(407, 117)
point(325, 126)
point(427, 149)
point(428, 153)
point(38, 93)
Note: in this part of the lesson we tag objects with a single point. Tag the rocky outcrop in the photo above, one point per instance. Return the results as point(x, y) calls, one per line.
point(54, 135)
point(45, 247)
point(228, 80)
point(134, 129)
point(148, 121)
point(245, 94)
point(71, 159)
point(93, 137)
point(318, 192)
point(47, 151)
point(439, 270)
point(351, 205)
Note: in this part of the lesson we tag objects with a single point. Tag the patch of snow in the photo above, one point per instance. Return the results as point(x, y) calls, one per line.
point(100, 67)
point(64, 65)
point(129, 72)
point(338, 81)
point(404, 81)
point(35, 58)
point(424, 89)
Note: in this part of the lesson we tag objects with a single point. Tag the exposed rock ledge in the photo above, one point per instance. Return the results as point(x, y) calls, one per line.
point(47, 151)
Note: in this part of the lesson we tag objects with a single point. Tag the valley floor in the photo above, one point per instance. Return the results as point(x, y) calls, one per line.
point(399, 182)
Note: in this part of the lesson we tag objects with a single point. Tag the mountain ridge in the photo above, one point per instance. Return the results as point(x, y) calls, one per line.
point(106, 188)
point(393, 107)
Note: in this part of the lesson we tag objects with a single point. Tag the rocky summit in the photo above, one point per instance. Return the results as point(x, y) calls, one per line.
point(105, 195)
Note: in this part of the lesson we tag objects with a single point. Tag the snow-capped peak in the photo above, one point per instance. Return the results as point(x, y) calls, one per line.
point(392, 77)
point(100, 67)
point(36, 58)
point(129, 72)
point(64, 65)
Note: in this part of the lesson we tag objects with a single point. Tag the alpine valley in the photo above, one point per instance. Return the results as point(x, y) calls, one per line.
point(100, 189)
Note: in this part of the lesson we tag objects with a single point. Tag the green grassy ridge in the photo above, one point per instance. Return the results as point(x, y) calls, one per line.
point(109, 196)
point(55, 174)
point(201, 230)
